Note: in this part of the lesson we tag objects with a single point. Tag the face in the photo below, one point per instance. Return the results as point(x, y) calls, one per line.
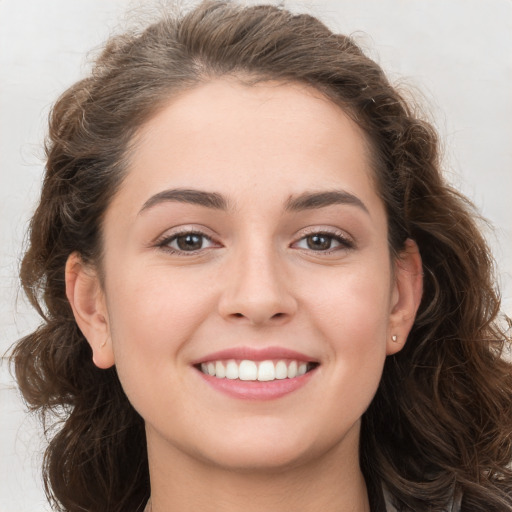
point(249, 298)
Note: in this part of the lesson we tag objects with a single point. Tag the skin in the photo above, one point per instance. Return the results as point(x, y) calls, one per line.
point(255, 282)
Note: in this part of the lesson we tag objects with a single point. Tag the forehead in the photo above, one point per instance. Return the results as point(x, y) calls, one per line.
point(228, 103)
point(248, 139)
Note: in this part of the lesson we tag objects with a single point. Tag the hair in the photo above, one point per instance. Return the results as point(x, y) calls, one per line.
point(440, 424)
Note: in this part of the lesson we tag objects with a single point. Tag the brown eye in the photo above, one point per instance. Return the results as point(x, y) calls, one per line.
point(189, 242)
point(319, 242)
point(324, 242)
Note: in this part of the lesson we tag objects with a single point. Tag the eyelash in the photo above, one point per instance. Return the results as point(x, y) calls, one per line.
point(344, 242)
point(165, 242)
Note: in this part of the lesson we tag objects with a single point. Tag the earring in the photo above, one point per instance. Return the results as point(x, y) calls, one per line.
point(394, 338)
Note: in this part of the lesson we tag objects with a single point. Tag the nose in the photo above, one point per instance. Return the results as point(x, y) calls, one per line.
point(257, 291)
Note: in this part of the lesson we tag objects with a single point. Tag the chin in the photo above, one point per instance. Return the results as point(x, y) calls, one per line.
point(270, 449)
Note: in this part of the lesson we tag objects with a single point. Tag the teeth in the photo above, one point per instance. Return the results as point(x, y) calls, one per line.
point(220, 370)
point(251, 370)
point(266, 371)
point(231, 370)
point(281, 370)
point(247, 370)
point(292, 370)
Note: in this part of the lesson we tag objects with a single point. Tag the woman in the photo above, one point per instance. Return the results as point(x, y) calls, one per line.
point(258, 291)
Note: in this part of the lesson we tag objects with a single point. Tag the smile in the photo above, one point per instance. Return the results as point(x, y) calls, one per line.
point(248, 373)
point(262, 371)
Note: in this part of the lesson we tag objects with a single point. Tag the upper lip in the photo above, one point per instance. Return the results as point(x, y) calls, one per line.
point(255, 354)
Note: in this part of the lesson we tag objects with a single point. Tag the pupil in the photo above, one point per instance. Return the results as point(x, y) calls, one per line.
point(319, 242)
point(189, 242)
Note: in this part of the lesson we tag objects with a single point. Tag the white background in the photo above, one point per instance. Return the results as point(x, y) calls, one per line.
point(457, 54)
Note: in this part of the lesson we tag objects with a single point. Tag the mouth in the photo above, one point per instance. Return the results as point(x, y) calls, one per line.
point(254, 370)
point(256, 374)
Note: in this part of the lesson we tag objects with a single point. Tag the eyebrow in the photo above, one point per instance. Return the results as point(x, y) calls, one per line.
point(312, 200)
point(179, 195)
point(304, 201)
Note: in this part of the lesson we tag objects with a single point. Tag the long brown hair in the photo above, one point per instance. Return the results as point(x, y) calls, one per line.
point(441, 422)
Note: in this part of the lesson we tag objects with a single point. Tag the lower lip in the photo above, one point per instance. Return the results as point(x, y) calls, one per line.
point(256, 390)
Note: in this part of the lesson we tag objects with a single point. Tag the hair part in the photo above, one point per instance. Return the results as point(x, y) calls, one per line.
point(441, 421)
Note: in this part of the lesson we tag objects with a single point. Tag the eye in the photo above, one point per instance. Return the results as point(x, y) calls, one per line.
point(323, 242)
point(186, 242)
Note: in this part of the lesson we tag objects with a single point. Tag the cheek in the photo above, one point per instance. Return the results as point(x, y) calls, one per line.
point(153, 305)
point(354, 300)
point(354, 326)
point(351, 315)
point(151, 318)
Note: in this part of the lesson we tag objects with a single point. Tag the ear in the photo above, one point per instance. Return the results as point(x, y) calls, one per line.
point(406, 296)
point(87, 300)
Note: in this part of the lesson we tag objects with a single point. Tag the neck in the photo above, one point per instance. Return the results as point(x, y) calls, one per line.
point(180, 482)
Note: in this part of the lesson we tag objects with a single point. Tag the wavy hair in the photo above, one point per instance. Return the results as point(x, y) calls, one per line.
point(441, 421)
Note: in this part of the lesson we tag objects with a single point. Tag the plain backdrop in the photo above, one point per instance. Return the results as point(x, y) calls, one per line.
point(454, 54)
